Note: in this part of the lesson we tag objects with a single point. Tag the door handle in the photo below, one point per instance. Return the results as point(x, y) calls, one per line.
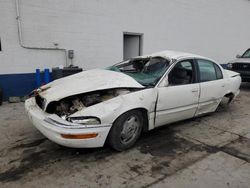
point(195, 90)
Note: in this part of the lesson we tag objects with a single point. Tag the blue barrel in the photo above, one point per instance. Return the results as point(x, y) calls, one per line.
point(46, 76)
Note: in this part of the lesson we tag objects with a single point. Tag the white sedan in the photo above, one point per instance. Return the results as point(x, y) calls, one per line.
point(116, 104)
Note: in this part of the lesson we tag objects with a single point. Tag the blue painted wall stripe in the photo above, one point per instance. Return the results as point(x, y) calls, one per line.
point(17, 84)
point(22, 84)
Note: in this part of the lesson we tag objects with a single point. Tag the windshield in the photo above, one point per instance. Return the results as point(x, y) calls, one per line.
point(146, 71)
point(246, 54)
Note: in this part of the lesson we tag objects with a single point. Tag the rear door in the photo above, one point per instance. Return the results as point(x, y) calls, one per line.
point(178, 100)
point(212, 86)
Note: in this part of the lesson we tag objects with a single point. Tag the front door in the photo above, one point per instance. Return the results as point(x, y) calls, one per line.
point(178, 100)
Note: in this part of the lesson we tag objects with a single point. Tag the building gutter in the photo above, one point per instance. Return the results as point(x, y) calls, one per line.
point(20, 38)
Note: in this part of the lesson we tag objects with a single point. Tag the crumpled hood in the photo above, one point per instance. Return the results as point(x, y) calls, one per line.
point(87, 81)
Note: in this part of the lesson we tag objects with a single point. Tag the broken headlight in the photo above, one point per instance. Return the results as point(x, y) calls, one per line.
point(85, 120)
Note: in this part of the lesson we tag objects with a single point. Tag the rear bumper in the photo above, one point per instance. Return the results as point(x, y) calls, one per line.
point(53, 127)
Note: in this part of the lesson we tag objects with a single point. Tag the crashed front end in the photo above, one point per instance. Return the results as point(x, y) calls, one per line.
point(78, 111)
point(60, 121)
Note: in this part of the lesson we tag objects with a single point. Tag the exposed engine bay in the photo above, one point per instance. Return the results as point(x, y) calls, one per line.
point(69, 105)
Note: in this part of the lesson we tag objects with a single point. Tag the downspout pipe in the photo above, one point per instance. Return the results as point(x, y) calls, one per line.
point(20, 38)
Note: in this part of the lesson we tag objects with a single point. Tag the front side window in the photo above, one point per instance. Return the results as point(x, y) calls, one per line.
point(182, 73)
point(219, 74)
point(208, 71)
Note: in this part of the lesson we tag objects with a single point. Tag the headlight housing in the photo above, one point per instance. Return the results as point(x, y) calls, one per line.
point(229, 65)
point(84, 120)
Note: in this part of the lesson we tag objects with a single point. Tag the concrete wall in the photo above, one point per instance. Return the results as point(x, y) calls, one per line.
point(94, 29)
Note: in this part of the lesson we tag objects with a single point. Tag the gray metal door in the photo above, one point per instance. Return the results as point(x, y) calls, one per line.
point(131, 46)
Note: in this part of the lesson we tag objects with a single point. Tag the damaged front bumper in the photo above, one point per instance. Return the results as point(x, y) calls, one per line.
point(63, 132)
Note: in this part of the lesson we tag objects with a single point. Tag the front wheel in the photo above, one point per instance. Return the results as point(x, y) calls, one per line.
point(126, 130)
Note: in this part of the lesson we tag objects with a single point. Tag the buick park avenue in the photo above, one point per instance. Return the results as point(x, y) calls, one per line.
point(116, 104)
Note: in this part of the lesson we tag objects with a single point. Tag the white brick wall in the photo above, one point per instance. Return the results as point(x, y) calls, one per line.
point(94, 30)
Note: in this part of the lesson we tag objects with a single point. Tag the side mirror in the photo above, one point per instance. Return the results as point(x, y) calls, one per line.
point(238, 56)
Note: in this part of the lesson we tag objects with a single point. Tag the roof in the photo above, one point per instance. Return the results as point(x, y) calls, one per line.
point(175, 55)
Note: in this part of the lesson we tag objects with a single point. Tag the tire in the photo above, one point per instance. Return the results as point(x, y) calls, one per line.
point(126, 130)
point(224, 104)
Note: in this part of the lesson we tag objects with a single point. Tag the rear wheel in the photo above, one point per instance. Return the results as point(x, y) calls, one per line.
point(126, 130)
point(226, 100)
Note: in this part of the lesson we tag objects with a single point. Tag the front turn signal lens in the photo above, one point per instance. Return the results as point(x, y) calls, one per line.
point(79, 136)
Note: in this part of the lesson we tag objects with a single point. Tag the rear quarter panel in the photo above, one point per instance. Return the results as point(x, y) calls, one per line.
point(233, 81)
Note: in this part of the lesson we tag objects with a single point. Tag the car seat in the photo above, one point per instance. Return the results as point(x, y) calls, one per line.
point(179, 76)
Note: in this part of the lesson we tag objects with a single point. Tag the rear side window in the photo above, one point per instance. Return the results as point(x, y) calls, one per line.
point(207, 70)
point(218, 72)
